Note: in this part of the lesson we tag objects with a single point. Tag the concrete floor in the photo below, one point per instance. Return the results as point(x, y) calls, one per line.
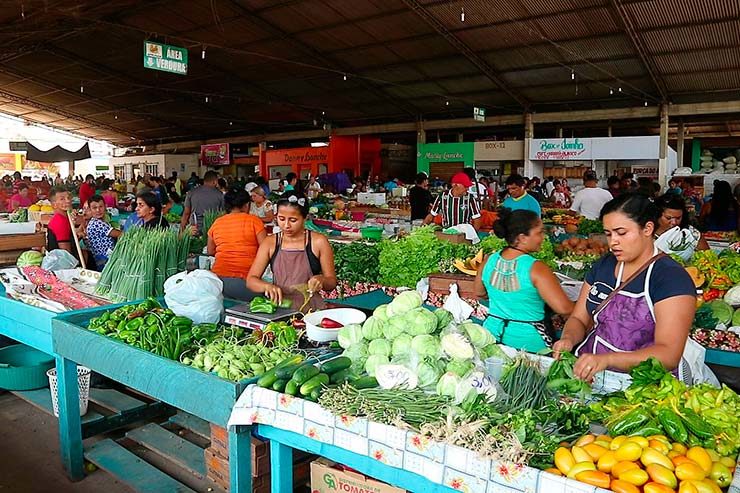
point(30, 461)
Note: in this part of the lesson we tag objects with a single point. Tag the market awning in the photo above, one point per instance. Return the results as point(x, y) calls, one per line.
point(57, 154)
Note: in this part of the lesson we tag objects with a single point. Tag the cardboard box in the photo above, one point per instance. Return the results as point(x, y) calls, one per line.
point(325, 478)
point(377, 199)
point(440, 283)
point(452, 238)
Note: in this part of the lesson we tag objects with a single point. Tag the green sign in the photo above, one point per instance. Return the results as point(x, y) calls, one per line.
point(444, 153)
point(158, 56)
point(479, 114)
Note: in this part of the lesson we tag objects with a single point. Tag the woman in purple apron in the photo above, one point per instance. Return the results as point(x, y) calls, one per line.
point(297, 258)
point(635, 303)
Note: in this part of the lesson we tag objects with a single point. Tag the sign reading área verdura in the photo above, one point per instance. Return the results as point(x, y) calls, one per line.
point(158, 56)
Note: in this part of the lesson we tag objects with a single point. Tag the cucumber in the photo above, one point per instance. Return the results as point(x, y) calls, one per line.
point(314, 383)
point(315, 393)
point(291, 388)
point(286, 372)
point(335, 365)
point(340, 377)
point(296, 359)
point(267, 380)
point(364, 383)
point(279, 385)
point(305, 373)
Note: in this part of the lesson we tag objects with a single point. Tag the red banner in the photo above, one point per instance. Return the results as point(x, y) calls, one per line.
point(214, 154)
point(301, 155)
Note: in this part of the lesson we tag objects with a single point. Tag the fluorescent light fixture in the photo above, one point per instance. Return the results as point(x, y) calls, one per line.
point(319, 144)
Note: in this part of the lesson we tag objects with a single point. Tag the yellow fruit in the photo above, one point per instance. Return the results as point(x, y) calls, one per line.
point(606, 462)
point(679, 447)
point(727, 461)
point(463, 267)
point(584, 440)
point(621, 467)
point(594, 478)
point(594, 451)
point(659, 446)
point(687, 487)
point(603, 438)
point(662, 438)
point(564, 460)
point(682, 459)
point(641, 441)
point(580, 455)
point(629, 451)
point(721, 475)
point(711, 486)
point(602, 443)
point(673, 454)
point(638, 477)
point(650, 456)
point(554, 471)
point(701, 457)
point(689, 470)
point(579, 467)
point(617, 442)
point(661, 475)
point(619, 486)
point(713, 455)
point(657, 488)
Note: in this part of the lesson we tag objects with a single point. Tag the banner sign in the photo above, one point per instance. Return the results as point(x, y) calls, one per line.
point(560, 149)
point(301, 155)
point(166, 58)
point(214, 154)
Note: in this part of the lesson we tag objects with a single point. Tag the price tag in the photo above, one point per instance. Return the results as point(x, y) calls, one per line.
point(390, 376)
point(481, 383)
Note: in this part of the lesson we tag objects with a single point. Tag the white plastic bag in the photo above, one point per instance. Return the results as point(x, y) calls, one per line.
point(59, 260)
point(197, 295)
point(460, 310)
point(693, 356)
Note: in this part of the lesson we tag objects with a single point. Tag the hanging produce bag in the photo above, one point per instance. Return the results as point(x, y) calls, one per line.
point(197, 295)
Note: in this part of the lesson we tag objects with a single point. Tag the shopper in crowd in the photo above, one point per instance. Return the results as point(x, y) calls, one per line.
point(234, 240)
point(262, 183)
point(206, 197)
point(636, 303)
point(476, 189)
point(100, 237)
point(109, 195)
point(193, 181)
point(391, 184)
point(313, 188)
point(721, 212)
point(589, 201)
point(518, 197)
point(674, 187)
point(559, 198)
point(260, 206)
point(17, 181)
point(613, 186)
point(456, 206)
point(627, 183)
point(536, 190)
point(300, 260)
point(176, 206)
point(87, 190)
point(420, 198)
point(222, 185)
point(59, 230)
point(673, 233)
point(176, 183)
point(291, 182)
point(21, 198)
point(149, 209)
point(646, 187)
point(517, 285)
point(549, 186)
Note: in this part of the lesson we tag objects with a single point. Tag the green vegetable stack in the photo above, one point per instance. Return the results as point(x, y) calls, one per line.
point(546, 254)
point(260, 304)
point(152, 328)
point(357, 262)
point(231, 359)
point(560, 377)
point(308, 381)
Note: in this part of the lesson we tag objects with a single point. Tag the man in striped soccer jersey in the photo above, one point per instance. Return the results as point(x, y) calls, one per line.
point(456, 206)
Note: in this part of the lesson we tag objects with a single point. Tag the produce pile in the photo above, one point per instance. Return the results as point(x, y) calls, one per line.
point(151, 327)
point(20, 215)
point(357, 262)
point(577, 249)
point(140, 263)
point(491, 244)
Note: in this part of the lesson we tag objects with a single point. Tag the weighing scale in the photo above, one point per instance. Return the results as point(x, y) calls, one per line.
point(241, 316)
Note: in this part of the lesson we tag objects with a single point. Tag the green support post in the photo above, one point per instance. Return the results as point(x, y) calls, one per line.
point(240, 460)
point(70, 426)
point(281, 467)
point(695, 154)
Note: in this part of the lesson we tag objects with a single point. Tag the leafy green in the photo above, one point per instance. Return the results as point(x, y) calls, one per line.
point(649, 371)
point(560, 376)
point(356, 262)
point(704, 318)
point(546, 254)
point(589, 226)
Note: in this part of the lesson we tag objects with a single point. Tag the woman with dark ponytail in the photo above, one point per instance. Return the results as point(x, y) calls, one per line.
point(517, 285)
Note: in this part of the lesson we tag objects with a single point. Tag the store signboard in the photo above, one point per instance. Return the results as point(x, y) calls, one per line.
point(18, 146)
point(166, 58)
point(560, 149)
point(648, 171)
point(301, 155)
point(214, 154)
point(479, 114)
point(453, 152)
point(500, 150)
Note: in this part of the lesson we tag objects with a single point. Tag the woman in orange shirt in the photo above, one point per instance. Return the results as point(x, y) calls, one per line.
point(234, 240)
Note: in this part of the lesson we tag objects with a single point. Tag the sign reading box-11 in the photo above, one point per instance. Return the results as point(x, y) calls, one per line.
point(158, 56)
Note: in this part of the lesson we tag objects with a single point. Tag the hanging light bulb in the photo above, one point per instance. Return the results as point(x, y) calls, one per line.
point(323, 112)
point(572, 75)
point(82, 88)
point(203, 53)
point(645, 103)
point(231, 123)
point(115, 117)
point(611, 91)
point(447, 103)
point(206, 99)
point(462, 14)
point(620, 89)
point(315, 123)
point(344, 76)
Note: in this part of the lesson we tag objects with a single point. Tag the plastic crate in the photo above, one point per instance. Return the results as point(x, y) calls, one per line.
point(24, 368)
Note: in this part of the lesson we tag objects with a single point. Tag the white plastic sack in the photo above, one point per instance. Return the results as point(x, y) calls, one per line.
point(460, 310)
point(422, 287)
point(693, 356)
point(59, 260)
point(681, 242)
point(197, 295)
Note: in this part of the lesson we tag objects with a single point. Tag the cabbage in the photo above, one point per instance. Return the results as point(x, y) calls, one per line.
point(394, 328)
point(404, 302)
point(479, 336)
point(428, 373)
point(425, 345)
point(457, 346)
point(420, 321)
point(732, 296)
point(721, 311)
point(358, 354)
point(29, 258)
point(460, 367)
point(380, 313)
point(401, 345)
point(349, 335)
point(373, 362)
point(372, 329)
point(447, 384)
point(493, 350)
point(444, 318)
point(379, 346)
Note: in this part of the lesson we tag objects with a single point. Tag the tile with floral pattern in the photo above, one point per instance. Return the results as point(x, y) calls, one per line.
point(289, 422)
point(390, 435)
point(424, 446)
point(510, 473)
point(317, 414)
point(355, 425)
point(350, 441)
point(318, 432)
point(265, 398)
point(386, 454)
point(500, 488)
point(460, 481)
point(424, 466)
point(290, 404)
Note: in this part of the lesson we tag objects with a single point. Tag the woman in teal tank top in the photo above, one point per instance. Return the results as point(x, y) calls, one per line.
point(518, 285)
